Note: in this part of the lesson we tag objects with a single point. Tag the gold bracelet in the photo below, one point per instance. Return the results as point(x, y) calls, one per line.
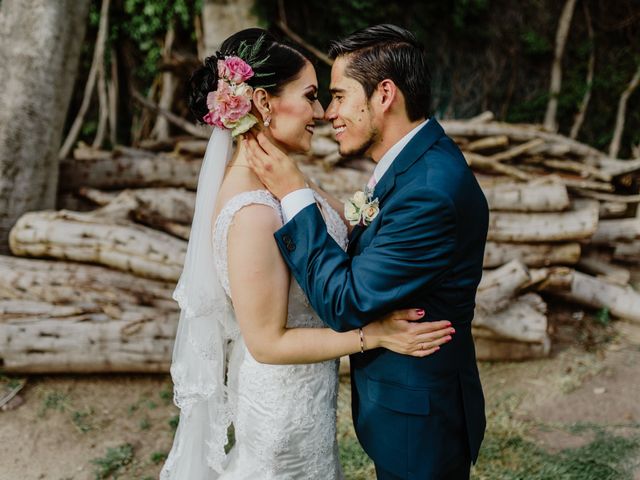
point(361, 340)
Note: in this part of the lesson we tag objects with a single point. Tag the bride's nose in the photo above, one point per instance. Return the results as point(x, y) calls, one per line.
point(318, 111)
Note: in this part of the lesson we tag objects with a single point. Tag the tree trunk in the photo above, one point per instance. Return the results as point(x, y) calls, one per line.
point(40, 44)
point(222, 18)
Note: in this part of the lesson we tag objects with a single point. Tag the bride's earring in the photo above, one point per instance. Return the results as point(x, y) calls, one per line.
point(267, 121)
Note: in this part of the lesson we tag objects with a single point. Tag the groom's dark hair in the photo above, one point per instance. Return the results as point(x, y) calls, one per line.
point(388, 52)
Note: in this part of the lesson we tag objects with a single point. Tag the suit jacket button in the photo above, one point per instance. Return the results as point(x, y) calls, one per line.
point(290, 245)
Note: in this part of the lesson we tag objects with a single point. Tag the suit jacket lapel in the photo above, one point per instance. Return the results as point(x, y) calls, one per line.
point(420, 143)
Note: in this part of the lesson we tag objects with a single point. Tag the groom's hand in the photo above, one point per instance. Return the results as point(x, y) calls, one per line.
point(400, 332)
point(274, 168)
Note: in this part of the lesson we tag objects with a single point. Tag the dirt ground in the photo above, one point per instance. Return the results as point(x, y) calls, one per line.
point(69, 427)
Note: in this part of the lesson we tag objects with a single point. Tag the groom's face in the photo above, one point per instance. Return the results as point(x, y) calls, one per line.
point(350, 112)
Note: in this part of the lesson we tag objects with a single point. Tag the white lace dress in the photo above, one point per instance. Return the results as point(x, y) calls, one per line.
point(285, 415)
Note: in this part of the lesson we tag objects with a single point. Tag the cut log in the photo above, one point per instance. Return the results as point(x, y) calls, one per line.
point(523, 320)
point(531, 254)
point(490, 349)
point(528, 197)
point(140, 341)
point(90, 286)
point(86, 238)
point(171, 204)
point(619, 230)
point(144, 170)
point(520, 133)
point(595, 292)
point(497, 287)
point(487, 143)
point(627, 252)
point(604, 269)
point(544, 227)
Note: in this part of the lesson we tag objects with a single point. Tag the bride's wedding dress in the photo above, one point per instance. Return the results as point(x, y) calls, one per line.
point(285, 415)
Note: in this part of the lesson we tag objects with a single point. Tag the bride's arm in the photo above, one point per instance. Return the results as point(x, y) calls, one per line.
point(259, 281)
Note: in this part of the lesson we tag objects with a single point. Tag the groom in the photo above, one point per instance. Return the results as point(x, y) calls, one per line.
point(417, 418)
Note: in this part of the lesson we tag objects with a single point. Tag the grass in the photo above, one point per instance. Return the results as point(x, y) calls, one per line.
point(507, 452)
point(114, 462)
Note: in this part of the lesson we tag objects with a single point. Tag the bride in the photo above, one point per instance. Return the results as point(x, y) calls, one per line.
point(252, 361)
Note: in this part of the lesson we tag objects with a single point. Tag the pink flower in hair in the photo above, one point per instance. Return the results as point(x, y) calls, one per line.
point(225, 107)
point(234, 69)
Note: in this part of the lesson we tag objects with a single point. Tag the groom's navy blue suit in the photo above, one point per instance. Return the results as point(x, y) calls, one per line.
point(418, 418)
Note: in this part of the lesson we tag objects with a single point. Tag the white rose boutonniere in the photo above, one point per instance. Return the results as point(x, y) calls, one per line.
point(361, 209)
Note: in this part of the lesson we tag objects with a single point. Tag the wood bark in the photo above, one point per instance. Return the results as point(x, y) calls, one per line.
point(618, 230)
point(40, 44)
point(122, 169)
point(622, 301)
point(122, 245)
point(522, 320)
point(489, 349)
point(604, 269)
point(91, 286)
point(497, 287)
point(531, 254)
point(544, 227)
point(520, 133)
point(528, 197)
point(140, 340)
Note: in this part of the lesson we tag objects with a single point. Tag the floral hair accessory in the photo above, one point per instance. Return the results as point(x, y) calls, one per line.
point(361, 209)
point(230, 103)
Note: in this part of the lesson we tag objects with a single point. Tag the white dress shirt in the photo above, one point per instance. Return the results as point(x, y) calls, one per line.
point(298, 200)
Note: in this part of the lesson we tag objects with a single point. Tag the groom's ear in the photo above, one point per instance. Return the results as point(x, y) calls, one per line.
point(387, 93)
point(261, 102)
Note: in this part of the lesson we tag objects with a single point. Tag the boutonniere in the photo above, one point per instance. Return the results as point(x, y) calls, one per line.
point(361, 209)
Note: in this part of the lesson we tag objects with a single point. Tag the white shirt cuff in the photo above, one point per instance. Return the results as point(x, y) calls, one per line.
point(294, 202)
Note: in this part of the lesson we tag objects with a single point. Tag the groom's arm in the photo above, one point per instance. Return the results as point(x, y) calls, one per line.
point(411, 250)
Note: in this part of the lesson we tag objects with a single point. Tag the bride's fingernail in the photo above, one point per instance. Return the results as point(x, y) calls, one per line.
point(420, 311)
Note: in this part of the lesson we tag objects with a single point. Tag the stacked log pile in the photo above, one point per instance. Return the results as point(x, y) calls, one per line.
point(564, 223)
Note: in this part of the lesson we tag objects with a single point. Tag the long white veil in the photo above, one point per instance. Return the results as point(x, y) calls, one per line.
point(206, 335)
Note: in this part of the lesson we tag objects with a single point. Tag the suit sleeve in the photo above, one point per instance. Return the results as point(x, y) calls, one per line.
point(411, 250)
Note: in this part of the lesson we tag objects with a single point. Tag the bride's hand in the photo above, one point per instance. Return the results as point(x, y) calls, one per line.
point(399, 332)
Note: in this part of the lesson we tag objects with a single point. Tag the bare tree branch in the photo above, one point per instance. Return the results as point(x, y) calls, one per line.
point(579, 118)
point(614, 146)
point(550, 122)
point(176, 120)
point(98, 54)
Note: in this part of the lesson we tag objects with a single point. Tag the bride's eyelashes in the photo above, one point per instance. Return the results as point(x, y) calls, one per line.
point(312, 97)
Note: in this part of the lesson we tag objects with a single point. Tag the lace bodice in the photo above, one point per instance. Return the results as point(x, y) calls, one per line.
point(285, 417)
point(300, 313)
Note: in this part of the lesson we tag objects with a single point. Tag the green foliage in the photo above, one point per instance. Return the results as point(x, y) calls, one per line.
point(173, 422)
point(112, 464)
point(535, 44)
point(157, 457)
point(603, 317)
point(80, 419)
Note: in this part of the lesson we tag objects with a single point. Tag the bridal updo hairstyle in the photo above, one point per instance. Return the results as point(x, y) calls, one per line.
point(284, 63)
